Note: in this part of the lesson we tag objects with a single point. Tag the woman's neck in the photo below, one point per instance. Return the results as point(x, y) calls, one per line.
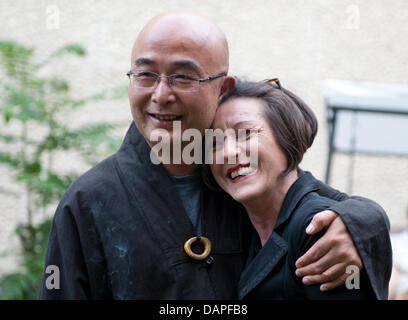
point(263, 211)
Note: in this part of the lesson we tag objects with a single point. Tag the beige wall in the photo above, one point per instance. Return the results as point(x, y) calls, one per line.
point(301, 41)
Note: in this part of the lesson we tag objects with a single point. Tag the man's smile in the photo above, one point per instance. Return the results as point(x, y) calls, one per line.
point(164, 119)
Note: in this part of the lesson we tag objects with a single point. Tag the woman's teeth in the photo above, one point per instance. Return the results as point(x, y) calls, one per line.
point(243, 171)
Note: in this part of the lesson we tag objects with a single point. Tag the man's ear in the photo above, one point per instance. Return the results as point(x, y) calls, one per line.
point(229, 83)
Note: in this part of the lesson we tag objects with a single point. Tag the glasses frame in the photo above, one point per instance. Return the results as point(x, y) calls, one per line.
point(273, 81)
point(170, 79)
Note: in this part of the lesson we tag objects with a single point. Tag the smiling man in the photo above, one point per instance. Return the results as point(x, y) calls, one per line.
point(195, 51)
point(126, 228)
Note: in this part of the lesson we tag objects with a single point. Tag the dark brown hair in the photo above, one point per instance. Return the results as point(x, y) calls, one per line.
point(293, 123)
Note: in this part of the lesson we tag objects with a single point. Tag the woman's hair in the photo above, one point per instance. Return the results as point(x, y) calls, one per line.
point(293, 123)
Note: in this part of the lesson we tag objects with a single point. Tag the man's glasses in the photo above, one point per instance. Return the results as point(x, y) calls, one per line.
point(273, 82)
point(178, 82)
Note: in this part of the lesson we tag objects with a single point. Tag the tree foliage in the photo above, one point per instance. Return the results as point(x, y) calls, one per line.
point(31, 102)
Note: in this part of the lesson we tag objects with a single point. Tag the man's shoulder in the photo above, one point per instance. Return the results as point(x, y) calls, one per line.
point(98, 179)
point(102, 173)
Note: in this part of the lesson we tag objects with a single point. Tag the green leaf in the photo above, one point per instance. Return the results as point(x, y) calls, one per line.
point(59, 85)
point(7, 116)
point(9, 159)
point(8, 138)
point(26, 95)
point(21, 105)
point(48, 189)
point(33, 168)
point(13, 50)
point(71, 49)
point(74, 49)
point(14, 57)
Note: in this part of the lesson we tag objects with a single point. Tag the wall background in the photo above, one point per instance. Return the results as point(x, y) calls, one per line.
point(301, 41)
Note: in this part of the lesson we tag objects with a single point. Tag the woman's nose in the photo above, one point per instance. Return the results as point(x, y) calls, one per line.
point(231, 150)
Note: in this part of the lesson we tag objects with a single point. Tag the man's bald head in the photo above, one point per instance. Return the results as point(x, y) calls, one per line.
point(184, 45)
point(185, 30)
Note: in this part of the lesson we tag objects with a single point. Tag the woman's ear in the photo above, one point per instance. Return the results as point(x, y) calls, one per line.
point(229, 83)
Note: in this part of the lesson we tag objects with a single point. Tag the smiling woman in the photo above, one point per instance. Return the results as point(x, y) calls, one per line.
point(279, 198)
point(285, 128)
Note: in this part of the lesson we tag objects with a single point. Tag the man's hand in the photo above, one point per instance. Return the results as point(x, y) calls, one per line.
point(326, 261)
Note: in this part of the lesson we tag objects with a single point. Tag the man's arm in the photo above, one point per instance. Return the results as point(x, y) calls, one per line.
point(345, 201)
point(357, 228)
point(65, 275)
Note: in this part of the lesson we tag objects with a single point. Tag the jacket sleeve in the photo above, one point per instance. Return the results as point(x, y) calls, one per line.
point(303, 243)
point(65, 274)
point(369, 227)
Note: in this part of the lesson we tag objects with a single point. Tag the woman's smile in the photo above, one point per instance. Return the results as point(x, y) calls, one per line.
point(240, 172)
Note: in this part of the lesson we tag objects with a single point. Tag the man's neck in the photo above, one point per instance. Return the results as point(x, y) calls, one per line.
point(179, 170)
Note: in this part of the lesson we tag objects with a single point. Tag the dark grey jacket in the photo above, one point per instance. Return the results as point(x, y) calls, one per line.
point(270, 270)
point(119, 231)
point(369, 227)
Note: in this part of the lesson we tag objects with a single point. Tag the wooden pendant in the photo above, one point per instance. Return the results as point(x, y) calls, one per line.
point(207, 248)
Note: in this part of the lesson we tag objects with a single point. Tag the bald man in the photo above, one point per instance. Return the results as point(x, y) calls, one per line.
point(131, 229)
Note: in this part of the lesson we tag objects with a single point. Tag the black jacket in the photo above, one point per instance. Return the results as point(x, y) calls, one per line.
point(119, 231)
point(270, 270)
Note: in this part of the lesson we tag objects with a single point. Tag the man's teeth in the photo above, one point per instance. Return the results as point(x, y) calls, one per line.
point(243, 171)
point(166, 117)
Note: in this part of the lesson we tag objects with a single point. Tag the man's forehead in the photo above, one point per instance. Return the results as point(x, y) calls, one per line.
point(181, 63)
point(172, 54)
point(185, 25)
point(192, 37)
point(172, 40)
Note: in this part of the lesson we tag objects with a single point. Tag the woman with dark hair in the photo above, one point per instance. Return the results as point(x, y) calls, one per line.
point(279, 198)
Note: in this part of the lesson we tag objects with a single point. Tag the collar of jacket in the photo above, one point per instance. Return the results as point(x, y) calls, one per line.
point(152, 193)
point(154, 197)
point(276, 247)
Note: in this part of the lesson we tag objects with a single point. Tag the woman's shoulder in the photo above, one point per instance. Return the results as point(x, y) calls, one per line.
point(295, 232)
point(310, 204)
point(313, 203)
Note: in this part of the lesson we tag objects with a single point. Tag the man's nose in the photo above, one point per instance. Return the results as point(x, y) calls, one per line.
point(163, 93)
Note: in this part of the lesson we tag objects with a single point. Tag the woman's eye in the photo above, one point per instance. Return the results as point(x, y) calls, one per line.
point(244, 134)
